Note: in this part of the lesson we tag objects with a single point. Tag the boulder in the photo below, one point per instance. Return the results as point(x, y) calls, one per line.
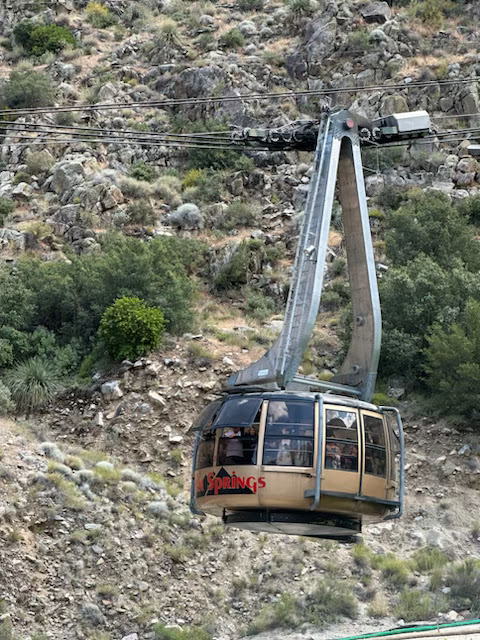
point(111, 390)
point(22, 191)
point(66, 175)
point(376, 11)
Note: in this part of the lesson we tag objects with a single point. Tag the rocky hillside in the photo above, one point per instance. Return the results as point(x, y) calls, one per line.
point(96, 538)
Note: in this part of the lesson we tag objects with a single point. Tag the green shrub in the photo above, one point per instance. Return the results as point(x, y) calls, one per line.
point(26, 89)
point(39, 162)
point(258, 305)
point(361, 556)
point(6, 404)
point(426, 560)
point(37, 39)
point(187, 633)
point(464, 582)
point(300, 8)
point(6, 208)
point(414, 605)
point(232, 39)
point(239, 214)
point(394, 570)
point(142, 171)
point(286, 612)
point(431, 12)
point(250, 5)
point(133, 188)
point(141, 212)
point(33, 383)
point(249, 256)
point(331, 601)
point(358, 41)
point(431, 225)
point(99, 15)
point(130, 329)
point(470, 209)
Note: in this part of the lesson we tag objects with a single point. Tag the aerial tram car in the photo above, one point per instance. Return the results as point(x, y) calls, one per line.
point(284, 453)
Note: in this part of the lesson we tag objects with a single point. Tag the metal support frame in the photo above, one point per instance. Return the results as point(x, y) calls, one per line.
point(193, 497)
point(337, 151)
point(401, 440)
point(318, 468)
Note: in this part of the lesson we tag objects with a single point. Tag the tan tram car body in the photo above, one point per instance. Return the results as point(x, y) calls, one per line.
point(293, 462)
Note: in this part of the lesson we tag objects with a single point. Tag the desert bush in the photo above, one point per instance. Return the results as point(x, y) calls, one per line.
point(130, 329)
point(99, 15)
point(187, 216)
point(428, 559)
point(39, 162)
point(6, 208)
point(249, 256)
point(133, 188)
point(167, 188)
point(330, 601)
point(258, 305)
point(300, 8)
point(26, 89)
point(163, 632)
point(431, 12)
point(239, 214)
point(6, 404)
point(394, 570)
point(141, 212)
point(250, 5)
point(142, 171)
point(37, 39)
point(359, 41)
point(414, 605)
point(32, 383)
point(286, 612)
point(232, 39)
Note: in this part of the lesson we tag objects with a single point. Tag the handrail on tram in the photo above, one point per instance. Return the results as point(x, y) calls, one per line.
point(318, 468)
point(401, 439)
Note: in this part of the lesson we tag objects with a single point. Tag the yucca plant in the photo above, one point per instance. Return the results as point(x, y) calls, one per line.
point(33, 383)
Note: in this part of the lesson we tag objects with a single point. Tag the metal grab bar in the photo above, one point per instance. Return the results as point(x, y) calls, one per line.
point(401, 440)
point(318, 468)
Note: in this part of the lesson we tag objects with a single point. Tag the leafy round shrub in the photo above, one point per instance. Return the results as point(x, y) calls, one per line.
point(37, 39)
point(26, 89)
point(32, 383)
point(130, 329)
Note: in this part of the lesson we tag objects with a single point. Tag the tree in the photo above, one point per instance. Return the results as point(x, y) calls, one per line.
point(26, 89)
point(130, 329)
point(430, 224)
point(415, 297)
point(453, 363)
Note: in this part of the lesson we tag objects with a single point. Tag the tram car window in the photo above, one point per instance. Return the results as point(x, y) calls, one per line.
point(375, 447)
point(289, 434)
point(341, 445)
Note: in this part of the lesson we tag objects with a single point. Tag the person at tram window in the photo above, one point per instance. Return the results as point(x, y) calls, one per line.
point(277, 414)
point(350, 456)
point(250, 445)
point(234, 446)
point(285, 454)
point(333, 456)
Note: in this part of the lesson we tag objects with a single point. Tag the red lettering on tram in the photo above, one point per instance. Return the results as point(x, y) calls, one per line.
point(226, 483)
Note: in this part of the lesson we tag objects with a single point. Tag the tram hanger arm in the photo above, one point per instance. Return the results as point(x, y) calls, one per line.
point(301, 135)
point(337, 137)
